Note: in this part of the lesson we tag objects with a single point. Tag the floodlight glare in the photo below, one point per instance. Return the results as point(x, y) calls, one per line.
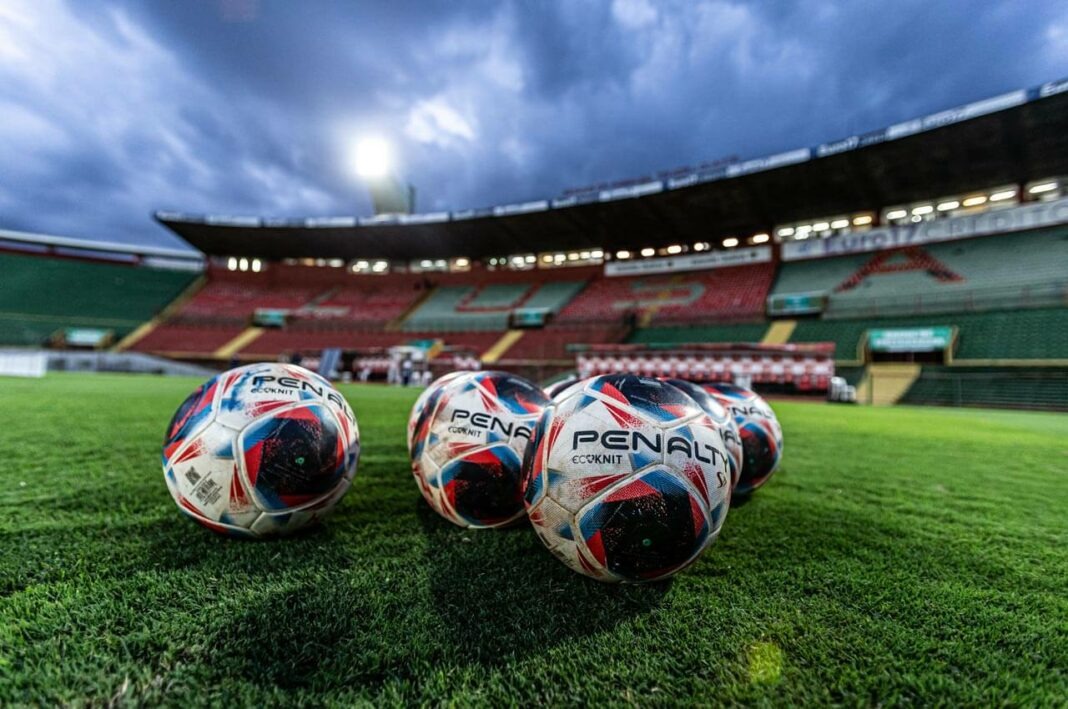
point(372, 158)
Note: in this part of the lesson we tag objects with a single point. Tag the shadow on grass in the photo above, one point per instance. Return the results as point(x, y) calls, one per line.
point(486, 597)
point(502, 595)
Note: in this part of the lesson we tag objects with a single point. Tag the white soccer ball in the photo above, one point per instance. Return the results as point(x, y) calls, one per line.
point(627, 479)
point(468, 446)
point(261, 450)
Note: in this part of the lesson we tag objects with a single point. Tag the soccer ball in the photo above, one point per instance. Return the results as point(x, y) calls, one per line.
point(261, 450)
point(626, 479)
point(468, 447)
point(728, 429)
point(420, 403)
point(760, 432)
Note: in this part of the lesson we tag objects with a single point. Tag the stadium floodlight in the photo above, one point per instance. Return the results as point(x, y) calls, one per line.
point(785, 231)
point(674, 249)
point(839, 223)
point(896, 214)
point(862, 220)
point(1002, 195)
point(597, 254)
point(821, 226)
point(1043, 187)
point(231, 264)
point(760, 238)
point(647, 252)
point(256, 265)
point(380, 266)
point(623, 255)
point(948, 205)
point(974, 201)
point(730, 243)
point(243, 264)
point(461, 263)
point(373, 158)
point(923, 209)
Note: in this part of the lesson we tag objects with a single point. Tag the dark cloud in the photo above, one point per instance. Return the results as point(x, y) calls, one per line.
point(116, 108)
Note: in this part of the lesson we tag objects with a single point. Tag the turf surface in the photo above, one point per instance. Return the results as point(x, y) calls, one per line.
point(900, 556)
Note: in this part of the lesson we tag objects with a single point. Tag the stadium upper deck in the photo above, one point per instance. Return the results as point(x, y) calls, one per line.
point(1009, 140)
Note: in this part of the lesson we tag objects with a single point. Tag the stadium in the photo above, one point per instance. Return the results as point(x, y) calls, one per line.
point(899, 297)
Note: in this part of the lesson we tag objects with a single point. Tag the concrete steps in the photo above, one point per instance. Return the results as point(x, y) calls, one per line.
point(884, 384)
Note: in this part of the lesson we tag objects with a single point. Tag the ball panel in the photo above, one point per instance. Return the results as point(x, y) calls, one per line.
point(192, 415)
point(293, 457)
point(652, 399)
point(645, 529)
point(257, 389)
point(482, 487)
point(204, 480)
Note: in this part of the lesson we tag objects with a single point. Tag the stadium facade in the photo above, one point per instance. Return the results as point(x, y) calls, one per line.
point(931, 256)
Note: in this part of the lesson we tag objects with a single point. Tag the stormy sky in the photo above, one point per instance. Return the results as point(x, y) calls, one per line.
point(112, 109)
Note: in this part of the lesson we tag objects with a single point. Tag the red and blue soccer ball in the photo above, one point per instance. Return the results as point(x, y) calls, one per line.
point(760, 432)
point(260, 451)
point(627, 478)
point(468, 442)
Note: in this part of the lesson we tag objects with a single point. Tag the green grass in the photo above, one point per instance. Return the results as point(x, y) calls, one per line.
point(901, 556)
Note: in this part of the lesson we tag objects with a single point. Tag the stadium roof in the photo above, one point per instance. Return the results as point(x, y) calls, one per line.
point(1012, 138)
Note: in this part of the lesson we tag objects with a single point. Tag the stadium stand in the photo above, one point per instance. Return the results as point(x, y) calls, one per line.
point(735, 293)
point(1019, 335)
point(739, 332)
point(988, 273)
point(551, 343)
point(990, 386)
point(42, 294)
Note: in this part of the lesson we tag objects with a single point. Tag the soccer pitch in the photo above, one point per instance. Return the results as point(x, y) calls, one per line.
point(899, 556)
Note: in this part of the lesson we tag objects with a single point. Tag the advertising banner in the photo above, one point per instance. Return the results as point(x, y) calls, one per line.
point(913, 339)
point(1001, 221)
point(690, 262)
